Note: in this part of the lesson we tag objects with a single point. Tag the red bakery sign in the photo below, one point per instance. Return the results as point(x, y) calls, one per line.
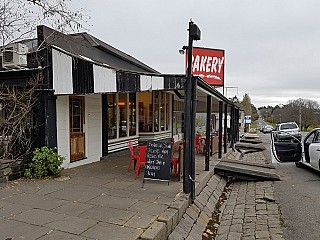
point(208, 64)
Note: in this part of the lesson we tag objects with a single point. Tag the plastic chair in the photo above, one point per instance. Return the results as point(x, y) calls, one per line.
point(197, 143)
point(174, 160)
point(142, 159)
point(135, 156)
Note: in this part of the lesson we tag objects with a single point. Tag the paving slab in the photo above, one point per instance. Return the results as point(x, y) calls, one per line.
point(78, 193)
point(11, 229)
point(35, 201)
point(38, 217)
point(113, 201)
point(108, 215)
point(72, 208)
point(71, 224)
point(105, 231)
point(58, 235)
point(148, 208)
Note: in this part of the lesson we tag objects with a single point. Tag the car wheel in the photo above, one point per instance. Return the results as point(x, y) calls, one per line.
point(299, 164)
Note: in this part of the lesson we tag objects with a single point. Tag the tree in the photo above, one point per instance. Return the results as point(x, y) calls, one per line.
point(246, 104)
point(18, 104)
point(19, 18)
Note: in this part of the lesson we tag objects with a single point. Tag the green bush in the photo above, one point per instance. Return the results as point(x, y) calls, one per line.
point(45, 162)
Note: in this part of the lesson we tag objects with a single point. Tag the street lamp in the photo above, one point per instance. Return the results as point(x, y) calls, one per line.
point(190, 118)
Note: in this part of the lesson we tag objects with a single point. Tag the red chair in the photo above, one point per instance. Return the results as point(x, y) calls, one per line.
point(175, 160)
point(198, 143)
point(142, 159)
point(135, 156)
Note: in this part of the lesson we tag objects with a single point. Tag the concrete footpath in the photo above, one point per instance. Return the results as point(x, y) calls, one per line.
point(103, 201)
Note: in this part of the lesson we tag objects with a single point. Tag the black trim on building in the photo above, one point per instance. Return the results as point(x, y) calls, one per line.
point(82, 76)
point(104, 105)
point(128, 82)
point(174, 82)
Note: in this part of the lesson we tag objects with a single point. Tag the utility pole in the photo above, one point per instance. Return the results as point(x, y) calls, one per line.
point(300, 117)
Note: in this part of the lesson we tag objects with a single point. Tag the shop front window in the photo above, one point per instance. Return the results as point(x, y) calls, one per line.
point(154, 117)
point(178, 111)
point(132, 114)
point(145, 112)
point(112, 116)
point(156, 111)
point(168, 112)
point(122, 104)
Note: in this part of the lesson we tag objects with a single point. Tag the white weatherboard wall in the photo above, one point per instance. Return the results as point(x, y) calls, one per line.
point(63, 129)
point(92, 128)
point(62, 73)
point(145, 83)
point(157, 83)
point(104, 79)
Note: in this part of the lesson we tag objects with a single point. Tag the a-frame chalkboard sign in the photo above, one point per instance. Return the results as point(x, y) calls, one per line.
point(158, 161)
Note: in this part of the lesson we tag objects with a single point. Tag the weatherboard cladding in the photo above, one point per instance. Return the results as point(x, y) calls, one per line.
point(79, 75)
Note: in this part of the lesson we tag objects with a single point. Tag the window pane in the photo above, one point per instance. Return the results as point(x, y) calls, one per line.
point(168, 123)
point(76, 115)
point(162, 111)
point(132, 114)
point(123, 114)
point(156, 111)
point(112, 116)
point(145, 112)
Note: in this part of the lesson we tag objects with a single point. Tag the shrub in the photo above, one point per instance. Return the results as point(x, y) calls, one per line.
point(45, 162)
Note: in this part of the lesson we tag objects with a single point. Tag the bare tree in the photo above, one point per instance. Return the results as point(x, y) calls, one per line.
point(18, 122)
point(19, 18)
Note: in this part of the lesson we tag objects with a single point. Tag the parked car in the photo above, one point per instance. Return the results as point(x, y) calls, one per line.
point(267, 129)
point(287, 131)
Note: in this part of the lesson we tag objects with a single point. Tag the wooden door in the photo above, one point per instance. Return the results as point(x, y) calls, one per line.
point(77, 135)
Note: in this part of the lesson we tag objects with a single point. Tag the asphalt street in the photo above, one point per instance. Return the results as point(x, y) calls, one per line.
point(298, 195)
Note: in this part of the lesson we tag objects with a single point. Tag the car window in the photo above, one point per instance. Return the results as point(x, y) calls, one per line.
point(288, 126)
point(317, 138)
point(310, 138)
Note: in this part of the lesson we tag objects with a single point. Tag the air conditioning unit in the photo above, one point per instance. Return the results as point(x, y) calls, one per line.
point(14, 56)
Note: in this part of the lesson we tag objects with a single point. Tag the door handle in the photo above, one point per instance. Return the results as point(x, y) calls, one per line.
point(318, 150)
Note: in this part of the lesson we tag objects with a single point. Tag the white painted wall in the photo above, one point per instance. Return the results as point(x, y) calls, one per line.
point(62, 73)
point(104, 79)
point(157, 83)
point(63, 129)
point(92, 128)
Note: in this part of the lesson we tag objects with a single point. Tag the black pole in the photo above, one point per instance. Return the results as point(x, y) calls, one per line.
point(187, 126)
point(237, 123)
point(190, 116)
point(220, 129)
point(192, 142)
point(232, 125)
point(225, 128)
point(208, 129)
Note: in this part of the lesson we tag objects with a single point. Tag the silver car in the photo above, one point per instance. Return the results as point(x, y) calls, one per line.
point(286, 131)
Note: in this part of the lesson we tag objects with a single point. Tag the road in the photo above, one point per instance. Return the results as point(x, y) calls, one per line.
point(298, 194)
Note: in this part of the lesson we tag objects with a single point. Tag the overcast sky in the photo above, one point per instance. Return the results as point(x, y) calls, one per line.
point(272, 47)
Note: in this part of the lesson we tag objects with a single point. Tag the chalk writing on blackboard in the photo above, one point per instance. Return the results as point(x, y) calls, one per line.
point(158, 160)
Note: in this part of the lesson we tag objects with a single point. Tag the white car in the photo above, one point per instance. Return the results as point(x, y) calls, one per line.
point(311, 149)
